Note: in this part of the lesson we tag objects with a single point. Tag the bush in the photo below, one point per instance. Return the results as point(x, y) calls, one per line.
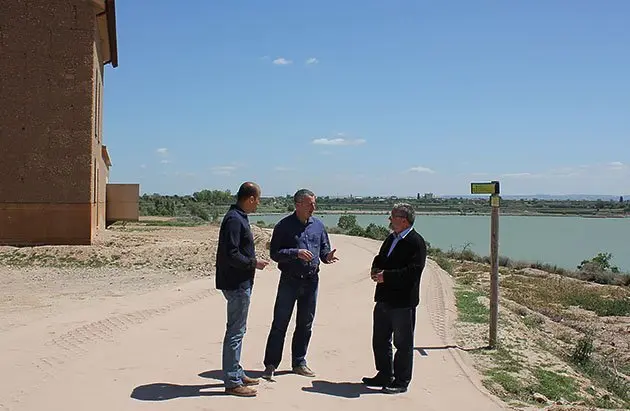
point(583, 350)
point(347, 222)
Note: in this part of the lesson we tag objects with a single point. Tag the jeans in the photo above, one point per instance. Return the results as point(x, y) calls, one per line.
point(237, 310)
point(292, 290)
point(399, 322)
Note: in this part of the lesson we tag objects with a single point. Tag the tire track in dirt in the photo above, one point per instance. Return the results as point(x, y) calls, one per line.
point(435, 305)
point(76, 343)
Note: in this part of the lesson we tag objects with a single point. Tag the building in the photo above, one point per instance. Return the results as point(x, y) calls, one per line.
point(54, 167)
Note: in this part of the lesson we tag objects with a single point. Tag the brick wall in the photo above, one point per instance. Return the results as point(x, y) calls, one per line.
point(46, 124)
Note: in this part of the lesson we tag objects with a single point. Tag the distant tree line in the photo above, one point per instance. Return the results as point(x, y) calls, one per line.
point(208, 205)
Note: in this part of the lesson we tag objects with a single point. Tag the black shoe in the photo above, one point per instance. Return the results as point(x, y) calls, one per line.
point(378, 381)
point(268, 373)
point(395, 388)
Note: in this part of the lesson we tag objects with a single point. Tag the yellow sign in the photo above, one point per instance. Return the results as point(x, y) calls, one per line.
point(491, 187)
point(495, 200)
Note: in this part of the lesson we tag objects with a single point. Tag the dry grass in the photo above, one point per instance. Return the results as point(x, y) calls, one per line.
point(560, 337)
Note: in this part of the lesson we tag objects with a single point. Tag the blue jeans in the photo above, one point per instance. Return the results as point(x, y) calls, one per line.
point(237, 311)
point(292, 290)
point(399, 323)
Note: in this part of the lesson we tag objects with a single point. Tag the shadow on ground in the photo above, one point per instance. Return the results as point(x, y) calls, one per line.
point(218, 374)
point(424, 350)
point(163, 391)
point(340, 389)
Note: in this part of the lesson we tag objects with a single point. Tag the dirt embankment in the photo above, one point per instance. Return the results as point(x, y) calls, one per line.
point(131, 259)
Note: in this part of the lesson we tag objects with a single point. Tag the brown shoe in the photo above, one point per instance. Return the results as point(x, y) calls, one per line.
point(241, 391)
point(249, 380)
point(303, 370)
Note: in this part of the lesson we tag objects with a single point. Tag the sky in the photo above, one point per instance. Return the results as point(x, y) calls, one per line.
point(371, 97)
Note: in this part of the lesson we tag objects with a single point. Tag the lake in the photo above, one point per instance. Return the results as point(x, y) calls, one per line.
point(563, 241)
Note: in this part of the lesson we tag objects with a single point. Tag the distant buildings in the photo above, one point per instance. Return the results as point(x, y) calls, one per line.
point(53, 164)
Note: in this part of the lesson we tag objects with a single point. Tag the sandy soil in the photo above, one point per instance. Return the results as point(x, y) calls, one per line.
point(134, 322)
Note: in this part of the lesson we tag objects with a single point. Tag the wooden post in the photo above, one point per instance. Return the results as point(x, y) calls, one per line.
point(494, 269)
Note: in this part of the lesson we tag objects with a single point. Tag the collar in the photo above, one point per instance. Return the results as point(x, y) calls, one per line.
point(238, 210)
point(404, 233)
point(309, 221)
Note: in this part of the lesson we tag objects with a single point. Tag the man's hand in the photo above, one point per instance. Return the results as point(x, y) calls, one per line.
point(377, 276)
point(261, 264)
point(305, 255)
point(330, 257)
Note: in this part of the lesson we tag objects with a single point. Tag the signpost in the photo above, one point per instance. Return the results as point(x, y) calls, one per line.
point(493, 189)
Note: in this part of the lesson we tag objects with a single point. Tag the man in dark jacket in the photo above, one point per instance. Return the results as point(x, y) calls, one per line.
point(397, 270)
point(299, 243)
point(236, 265)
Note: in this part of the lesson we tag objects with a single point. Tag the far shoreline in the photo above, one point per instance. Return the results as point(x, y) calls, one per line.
point(448, 213)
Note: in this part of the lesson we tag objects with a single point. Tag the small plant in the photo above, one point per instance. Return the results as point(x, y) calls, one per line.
point(444, 263)
point(469, 308)
point(583, 350)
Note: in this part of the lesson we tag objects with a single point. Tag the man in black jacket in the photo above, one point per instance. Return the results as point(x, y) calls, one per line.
point(396, 270)
point(236, 265)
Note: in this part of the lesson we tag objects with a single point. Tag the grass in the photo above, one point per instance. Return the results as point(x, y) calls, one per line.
point(515, 378)
point(465, 254)
point(179, 222)
point(550, 296)
point(555, 386)
point(509, 382)
point(469, 307)
point(533, 321)
point(605, 376)
point(549, 383)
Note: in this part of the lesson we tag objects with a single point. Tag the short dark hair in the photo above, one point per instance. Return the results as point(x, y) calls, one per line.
point(246, 190)
point(301, 193)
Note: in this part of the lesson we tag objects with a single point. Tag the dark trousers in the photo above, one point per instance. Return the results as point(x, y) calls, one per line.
point(292, 290)
point(401, 323)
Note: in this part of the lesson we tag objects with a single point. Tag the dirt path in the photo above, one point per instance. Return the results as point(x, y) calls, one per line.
point(162, 350)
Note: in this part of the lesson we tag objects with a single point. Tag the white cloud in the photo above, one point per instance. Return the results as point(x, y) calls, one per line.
point(617, 165)
point(339, 141)
point(421, 169)
point(312, 60)
point(162, 151)
point(223, 170)
point(281, 61)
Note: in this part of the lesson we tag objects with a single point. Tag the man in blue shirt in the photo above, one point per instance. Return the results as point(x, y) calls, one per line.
point(236, 266)
point(298, 244)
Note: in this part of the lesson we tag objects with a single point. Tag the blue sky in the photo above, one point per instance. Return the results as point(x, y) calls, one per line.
point(371, 97)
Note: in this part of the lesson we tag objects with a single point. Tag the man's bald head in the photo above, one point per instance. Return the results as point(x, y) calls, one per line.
point(248, 196)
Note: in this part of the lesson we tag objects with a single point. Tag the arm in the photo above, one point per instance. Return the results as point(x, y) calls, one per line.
point(378, 259)
point(277, 249)
point(407, 274)
point(324, 247)
point(232, 239)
